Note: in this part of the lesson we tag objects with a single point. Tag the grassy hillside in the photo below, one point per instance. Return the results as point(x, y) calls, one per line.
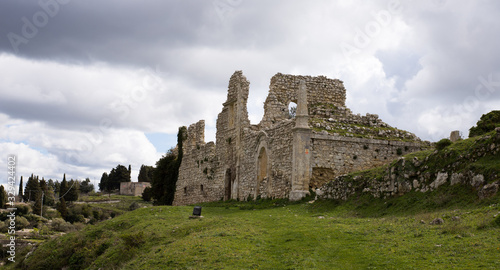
point(279, 235)
point(363, 232)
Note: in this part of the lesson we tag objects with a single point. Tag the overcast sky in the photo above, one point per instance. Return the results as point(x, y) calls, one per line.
point(86, 84)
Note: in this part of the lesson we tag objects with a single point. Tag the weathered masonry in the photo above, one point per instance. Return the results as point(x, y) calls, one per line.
point(133, 188)
point(285, 155)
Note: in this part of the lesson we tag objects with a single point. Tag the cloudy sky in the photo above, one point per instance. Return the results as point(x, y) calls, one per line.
point(86, 84)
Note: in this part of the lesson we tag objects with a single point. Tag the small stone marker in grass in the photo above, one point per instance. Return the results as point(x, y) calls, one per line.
point(196, 213)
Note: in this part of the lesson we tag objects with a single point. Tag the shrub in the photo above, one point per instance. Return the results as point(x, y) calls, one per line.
point(75, 218)
point(134, 206)
point(496, 221)
point(486, 123)
point(21, 223)
point(442, 144)
point(59, 225)
point(3, 227)
point(146, 194)
point(22, 209)
point(133, 240)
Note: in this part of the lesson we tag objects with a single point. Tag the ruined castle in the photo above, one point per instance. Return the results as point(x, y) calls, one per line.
point(285, 155)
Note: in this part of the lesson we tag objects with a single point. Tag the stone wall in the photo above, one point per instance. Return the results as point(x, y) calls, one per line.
point(197, 181)
point(283, 157)
point(133, 188)
point(424, 175)
point(283, 90)
point(338, 155)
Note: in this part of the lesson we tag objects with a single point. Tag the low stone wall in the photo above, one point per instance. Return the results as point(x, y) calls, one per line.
point(133, 188)
point(338, 155)
point(419, 175)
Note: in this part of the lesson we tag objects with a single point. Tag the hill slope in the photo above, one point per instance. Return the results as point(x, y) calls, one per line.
point(383, 221)
point(299, 236)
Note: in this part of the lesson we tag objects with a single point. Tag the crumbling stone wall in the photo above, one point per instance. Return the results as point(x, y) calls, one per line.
point(338, 155)
point(133, 188)
point(283, 90)
point(406, 175)
point(283, 157)
point(197, 181)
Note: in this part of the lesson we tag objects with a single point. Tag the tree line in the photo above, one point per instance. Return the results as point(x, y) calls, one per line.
point(52, 193)
point(111, 182)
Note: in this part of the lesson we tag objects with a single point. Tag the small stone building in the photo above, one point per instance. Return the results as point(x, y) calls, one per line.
point(285, 155)
point(133, 188)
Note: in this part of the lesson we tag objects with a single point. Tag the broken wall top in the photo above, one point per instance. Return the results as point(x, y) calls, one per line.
point(320, 89)
point(284, 89)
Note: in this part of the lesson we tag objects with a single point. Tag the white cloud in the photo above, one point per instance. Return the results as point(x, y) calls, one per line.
point(79, 98)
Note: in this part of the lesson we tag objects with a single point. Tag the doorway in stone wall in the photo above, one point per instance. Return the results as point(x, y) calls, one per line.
point(262, 171)
point(227, 185)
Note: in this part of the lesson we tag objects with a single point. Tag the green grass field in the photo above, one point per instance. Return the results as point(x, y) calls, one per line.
point(359, 234)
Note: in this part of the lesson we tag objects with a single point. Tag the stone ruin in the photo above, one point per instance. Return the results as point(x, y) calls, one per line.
point(284, 156)
point(133, 188)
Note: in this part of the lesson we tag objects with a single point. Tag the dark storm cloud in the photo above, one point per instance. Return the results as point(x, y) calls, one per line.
point(85, 62)
point(126, 32)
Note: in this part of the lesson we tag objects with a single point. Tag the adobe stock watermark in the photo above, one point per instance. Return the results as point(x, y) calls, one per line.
point(225, 7)
point(363, 37)
point(151, 83)
point(11, 199)
point(39, 19)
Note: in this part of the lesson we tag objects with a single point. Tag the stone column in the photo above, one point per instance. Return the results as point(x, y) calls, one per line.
point(301, 159)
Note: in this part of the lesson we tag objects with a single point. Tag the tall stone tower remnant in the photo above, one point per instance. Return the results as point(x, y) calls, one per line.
point(301, 161)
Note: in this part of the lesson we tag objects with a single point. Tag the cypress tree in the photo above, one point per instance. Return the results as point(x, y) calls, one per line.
point(32, 187)
point(166, 173)
point(129, 173)
point(63, 189)
point(72, 193)
point(62, 208)
point(103, 185)
point(20, 193)
point(3, 197)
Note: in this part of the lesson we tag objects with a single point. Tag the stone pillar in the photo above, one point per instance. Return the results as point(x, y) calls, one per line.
point(455, 136)
point(302, 115)
point(301, 159)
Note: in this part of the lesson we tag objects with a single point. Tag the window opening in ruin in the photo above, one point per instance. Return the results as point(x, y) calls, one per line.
point(201, 187)
point(185, 190)
point(292, 110)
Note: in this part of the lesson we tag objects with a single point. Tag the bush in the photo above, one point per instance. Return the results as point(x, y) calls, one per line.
point(21, 223)
point(50, 213)
point(75, 218)
point(22, 209)
point(487, 123)
point(133, 240)
point(59, 225)
point(3, 227)
point(146, 194)
point(496, 221)
point(133, 206)
point(442, 144)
